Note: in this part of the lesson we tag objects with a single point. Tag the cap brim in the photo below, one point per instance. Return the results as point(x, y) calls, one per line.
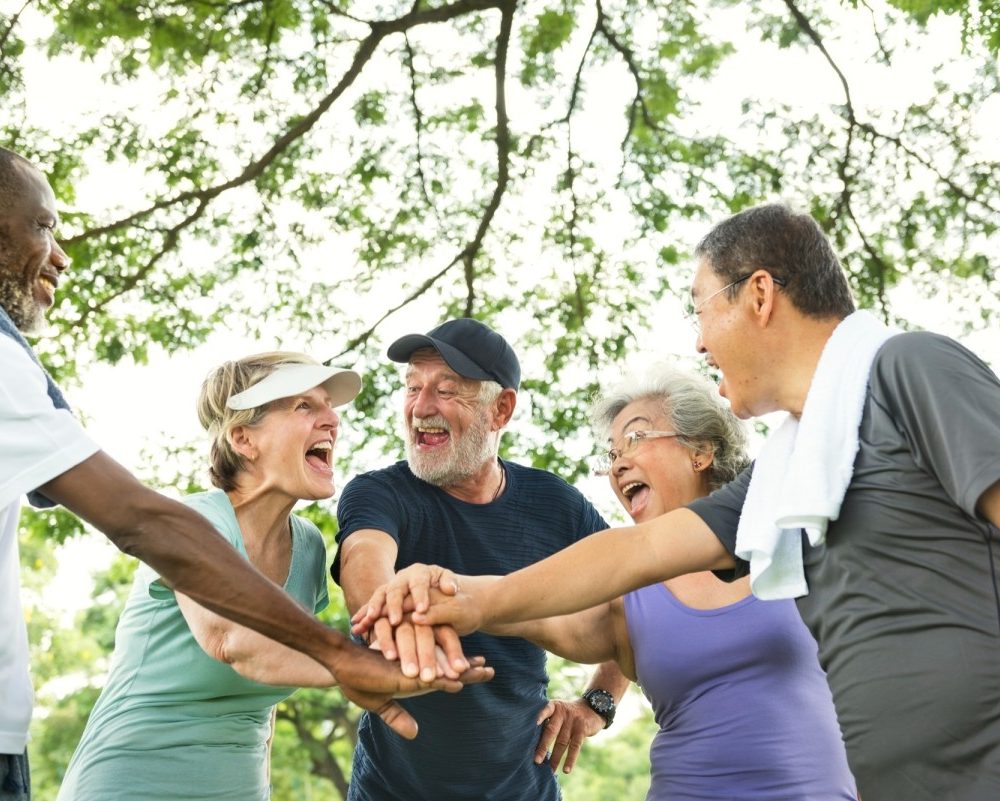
point(287, 380)
point(403, 348)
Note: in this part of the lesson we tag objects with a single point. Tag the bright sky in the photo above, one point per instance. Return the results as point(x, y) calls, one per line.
point(129, 408)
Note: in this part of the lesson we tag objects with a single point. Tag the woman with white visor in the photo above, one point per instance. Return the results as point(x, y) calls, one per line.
point(187, 710)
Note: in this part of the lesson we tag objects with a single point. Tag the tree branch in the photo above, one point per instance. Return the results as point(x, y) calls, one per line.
point(467, 255)
point(568, 121)
point(507, 9)
point(170, 239)
point(925, 162)
point(418, 122)
point(366, 49)
point(13, 24)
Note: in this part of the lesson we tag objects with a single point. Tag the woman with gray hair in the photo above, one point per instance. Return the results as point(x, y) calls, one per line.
point(186, 711)
point(743, 707)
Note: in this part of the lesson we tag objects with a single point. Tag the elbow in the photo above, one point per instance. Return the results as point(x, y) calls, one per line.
point(223, 647)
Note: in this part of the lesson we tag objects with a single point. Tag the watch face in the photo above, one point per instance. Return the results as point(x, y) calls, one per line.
point(600, 701)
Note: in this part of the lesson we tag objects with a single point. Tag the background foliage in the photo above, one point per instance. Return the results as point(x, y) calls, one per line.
point(309, 170)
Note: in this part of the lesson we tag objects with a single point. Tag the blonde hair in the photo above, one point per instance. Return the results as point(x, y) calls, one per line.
point(219, 420)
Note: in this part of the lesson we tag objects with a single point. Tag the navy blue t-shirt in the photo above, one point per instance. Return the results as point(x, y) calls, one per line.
point(480, 742)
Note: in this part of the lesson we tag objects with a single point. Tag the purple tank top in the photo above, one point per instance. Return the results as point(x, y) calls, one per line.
point(743, 707)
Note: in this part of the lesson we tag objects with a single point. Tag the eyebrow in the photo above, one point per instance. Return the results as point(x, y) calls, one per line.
point(446, 376)
point(637, 419)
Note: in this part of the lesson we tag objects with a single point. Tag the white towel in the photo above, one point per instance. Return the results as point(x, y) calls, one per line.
point(803, 470)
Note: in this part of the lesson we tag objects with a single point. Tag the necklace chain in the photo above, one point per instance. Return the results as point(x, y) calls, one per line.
point(500, 486)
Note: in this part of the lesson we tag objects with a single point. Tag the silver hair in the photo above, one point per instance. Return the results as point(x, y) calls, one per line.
point(489, 391)
point(692, 405)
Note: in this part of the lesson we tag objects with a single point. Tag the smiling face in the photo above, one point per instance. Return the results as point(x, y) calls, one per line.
point(449, 430)
point(290, 451)
point(727, 339)
point(657, 475)
point(31, 260)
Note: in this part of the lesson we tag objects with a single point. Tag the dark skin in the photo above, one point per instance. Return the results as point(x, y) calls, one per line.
point(189, 554)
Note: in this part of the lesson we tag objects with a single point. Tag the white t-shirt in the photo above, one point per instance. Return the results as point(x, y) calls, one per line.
point(37, 443)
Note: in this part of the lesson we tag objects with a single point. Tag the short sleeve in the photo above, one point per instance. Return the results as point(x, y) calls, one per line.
point(367, 502)
point(721, 512)
point(213, 506)
point(39, 441)
point(311, 586)
point(946, 403)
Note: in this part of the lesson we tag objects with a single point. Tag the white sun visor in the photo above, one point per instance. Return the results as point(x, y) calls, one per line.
point(294, 379)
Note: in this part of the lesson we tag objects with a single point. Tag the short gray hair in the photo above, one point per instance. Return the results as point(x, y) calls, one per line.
point(789, 245)
point(489, 391)
point(692, 405)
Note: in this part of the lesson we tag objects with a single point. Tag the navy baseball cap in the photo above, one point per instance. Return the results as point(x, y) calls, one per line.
point(468, 347)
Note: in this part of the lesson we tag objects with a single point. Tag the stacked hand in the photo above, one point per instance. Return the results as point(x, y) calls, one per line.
point(372, 682)
point(398, 618)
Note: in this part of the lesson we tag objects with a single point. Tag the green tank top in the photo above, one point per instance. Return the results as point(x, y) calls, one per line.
point(171, 721)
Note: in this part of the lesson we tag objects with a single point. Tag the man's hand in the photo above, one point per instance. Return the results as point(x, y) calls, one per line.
point(371, 682)
point(565, 725)
point(420, 650)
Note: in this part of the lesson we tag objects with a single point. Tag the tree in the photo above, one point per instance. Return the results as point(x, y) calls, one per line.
point(446, 153)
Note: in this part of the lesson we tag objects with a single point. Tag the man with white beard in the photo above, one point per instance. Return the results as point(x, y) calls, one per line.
point(454, 502)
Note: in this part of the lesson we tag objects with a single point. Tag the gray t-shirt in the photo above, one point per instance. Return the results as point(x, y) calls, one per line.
point(903, 597)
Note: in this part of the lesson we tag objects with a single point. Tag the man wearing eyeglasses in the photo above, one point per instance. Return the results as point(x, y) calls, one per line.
point(455, 502)
point(876, 504)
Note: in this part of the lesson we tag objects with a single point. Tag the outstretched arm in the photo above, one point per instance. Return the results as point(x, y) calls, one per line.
point(250, 653)
point(583, 575)
point(194, 559)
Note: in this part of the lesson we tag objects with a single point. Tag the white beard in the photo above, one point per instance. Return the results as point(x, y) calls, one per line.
point(464, 458)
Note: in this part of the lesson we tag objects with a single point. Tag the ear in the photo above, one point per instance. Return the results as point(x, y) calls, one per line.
point(504, 410)
point(702, 460)
point(241, 440)
point(762, 292)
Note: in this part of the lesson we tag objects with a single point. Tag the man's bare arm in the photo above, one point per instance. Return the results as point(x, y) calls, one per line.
point(194, 559)
point(585, 574)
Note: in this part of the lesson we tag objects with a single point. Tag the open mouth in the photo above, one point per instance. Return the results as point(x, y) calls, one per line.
point(430, 436)
point(320, 455)
point(636, 493)
point(47, 284)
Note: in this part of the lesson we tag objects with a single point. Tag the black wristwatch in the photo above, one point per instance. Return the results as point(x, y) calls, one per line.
point(603, 703)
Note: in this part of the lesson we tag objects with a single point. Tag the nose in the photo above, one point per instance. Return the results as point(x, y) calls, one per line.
point(422, 404)
point(58, 257)
point(330, 421)
point(699, 345)
point(619, 465)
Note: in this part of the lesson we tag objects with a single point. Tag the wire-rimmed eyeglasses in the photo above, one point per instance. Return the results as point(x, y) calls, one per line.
point(601, 464)
point(692, 311)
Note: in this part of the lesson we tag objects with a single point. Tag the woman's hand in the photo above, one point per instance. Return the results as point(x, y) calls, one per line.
point(408, 591)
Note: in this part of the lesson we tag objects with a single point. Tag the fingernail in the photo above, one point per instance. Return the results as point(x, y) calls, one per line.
point(410, 669)
point(427, 674)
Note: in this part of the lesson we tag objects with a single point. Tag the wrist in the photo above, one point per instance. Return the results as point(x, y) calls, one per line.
point(602, 703)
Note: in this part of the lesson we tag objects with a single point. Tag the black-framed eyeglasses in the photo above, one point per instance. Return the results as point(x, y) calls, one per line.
point(601, 464)
point(692, 311)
